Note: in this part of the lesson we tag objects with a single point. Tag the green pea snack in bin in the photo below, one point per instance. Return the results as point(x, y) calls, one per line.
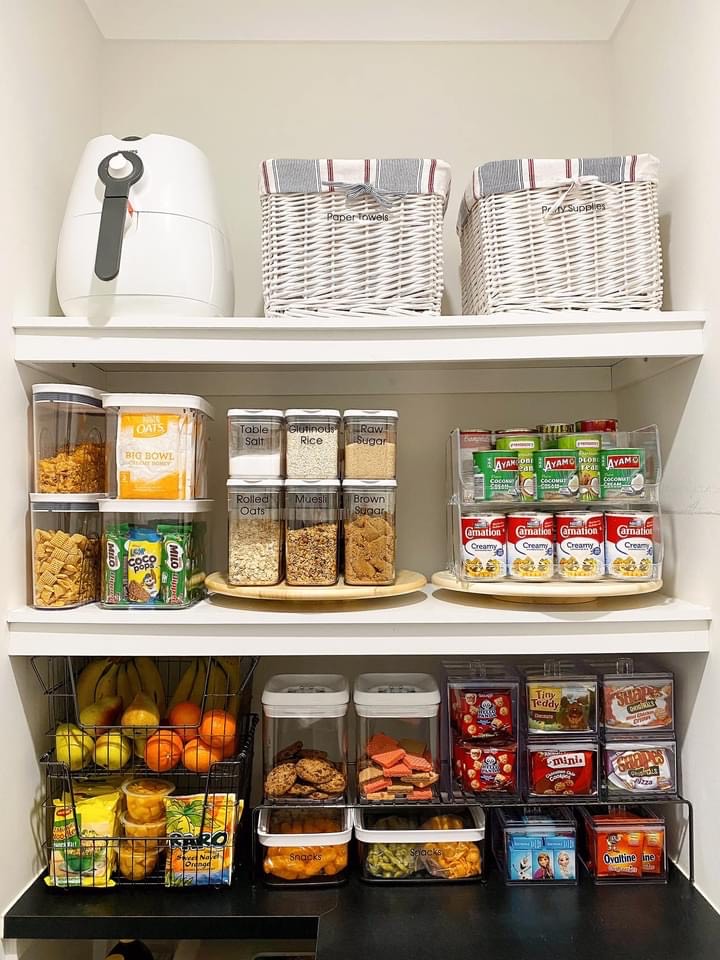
point(82, 852)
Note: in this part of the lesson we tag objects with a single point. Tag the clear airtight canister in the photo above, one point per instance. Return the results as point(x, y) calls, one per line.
point(255, 531)
point(69, 430)
point(311, 532)
point(256, 443)
point(312, 444)
point(370, 444)
point(369, 508)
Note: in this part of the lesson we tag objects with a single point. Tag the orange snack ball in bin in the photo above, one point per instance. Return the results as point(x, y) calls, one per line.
point(217, 728)
point(199, 757)
point(163, 751)
point(305, 862)
point(186, 717)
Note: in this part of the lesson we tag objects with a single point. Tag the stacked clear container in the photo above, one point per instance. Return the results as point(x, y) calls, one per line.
point(370, 444)
point(305, 738)
point(312, 512)
point(369, 531)
point(313, 444)
point(256, 444)
point(624, 845)
point(301, 847)
point(65, 549)
point(69, 426)
point(535, 844)
point(255, 531)
point(398, 756)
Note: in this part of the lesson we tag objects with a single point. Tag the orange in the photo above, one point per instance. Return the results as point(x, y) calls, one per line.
point(163, 751)
point(217, 729)
point(186, 717)
point(198, 756)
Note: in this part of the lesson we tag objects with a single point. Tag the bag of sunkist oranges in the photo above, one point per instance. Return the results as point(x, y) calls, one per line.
point(83, 853)
point(201, 838)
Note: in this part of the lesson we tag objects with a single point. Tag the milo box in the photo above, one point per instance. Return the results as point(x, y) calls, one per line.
point(114, 568)
point(496, 475)
point(622, 473)
point(587, 446)
point(525, 448)
point(556, 474)
point(175, 563)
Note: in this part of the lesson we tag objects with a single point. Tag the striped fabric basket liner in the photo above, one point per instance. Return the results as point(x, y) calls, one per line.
point(561, 234)
point(352, 237)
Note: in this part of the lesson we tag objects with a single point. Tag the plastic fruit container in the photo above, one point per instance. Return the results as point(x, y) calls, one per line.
point(149, 830)
point(144, 798)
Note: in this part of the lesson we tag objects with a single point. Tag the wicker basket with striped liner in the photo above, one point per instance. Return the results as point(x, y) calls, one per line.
point(352, 237)
point(561, 234)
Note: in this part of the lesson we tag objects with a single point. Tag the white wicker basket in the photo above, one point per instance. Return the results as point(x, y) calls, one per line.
point(586, 245)
point(323, 253)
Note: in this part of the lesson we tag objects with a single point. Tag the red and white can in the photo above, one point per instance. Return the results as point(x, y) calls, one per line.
point(580, 546)
point(482, 542)
point(530, 545)
point(630, 545)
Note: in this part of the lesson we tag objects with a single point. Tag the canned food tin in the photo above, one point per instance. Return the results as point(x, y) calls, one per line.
point(596, 426)
point(530, 545)
point(525, 447)
point(551, 431)
point(587, 447)
point(496, 475)
point(483, 538)
point(622, 473)
point(556, 474)
point(580, 545)
point(629, 545)
point(470, 442)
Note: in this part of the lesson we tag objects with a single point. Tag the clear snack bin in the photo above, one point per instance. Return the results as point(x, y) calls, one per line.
point(624, 844)
point(255, 531)
point(638, 701)
point(256, 443)
point(369, 509)
point(65, 549)
point(442, 844)
point(305, 738)
point(562, 769)
point(370, 444)
point(313, 444)
point(535, 844)
point(482, 700)
point(561, 700)
point(311, 532)
point(69, 439)
point(639, 767)
point(398, 754)
point(154, 553)
point(304, 847)
point(157, 445)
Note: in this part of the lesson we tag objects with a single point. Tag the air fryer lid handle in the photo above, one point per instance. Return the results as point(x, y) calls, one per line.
point(118, 171)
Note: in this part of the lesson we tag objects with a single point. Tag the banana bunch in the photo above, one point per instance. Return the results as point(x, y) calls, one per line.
point(218, 677)
point(124, 678)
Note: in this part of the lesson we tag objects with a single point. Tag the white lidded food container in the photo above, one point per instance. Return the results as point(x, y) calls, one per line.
point(69, 439)
point(370, 444)
point(369, 530)
point(256, 443)
point(311, 532)
point(154, 553)
point(157, 447)
point(305, 737)
point(313, 444)
point(65, 549)
point(397, 736)
point(255, 531)
point(304, 847)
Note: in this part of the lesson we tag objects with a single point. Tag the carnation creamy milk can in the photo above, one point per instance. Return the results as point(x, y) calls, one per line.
point(483, 537)
point(580, 546)
point(530, 545)
point(629, 545)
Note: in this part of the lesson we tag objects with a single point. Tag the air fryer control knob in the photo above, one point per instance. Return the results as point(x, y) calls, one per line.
point(119, 166)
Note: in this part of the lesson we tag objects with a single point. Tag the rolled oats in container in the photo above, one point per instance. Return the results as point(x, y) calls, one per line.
point(255, 531)
point(312, 444)
point(311, 533)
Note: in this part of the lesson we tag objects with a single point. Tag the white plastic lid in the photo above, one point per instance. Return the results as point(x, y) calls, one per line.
point(369, 835)
point(369, 483)
point(152, 507)
point(311, 414)
point(161, 401)
point(372, 414)
point(268, 839)
point(312, 483)
point(66, 392)
point(255, 482)
point(68, 501)
point(256, 414)
point(396, 695)
point(306, 695)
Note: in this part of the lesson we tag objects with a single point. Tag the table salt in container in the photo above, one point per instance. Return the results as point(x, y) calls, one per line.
point(311, 534)
point(255, 531)
point(369, 508)
point(370, 444)
point(312, 444)
point(256, 443)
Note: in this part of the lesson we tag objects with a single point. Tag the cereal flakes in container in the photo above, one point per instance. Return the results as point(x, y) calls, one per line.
point(305, 738)
point(441, 844)
point(157, 447)
point(312, 519)
point(313, 444)
point(256, 443)
point(65, 549)
point(69, 439)
point(398, 754)
point(536, 844)
point(301, 847)
point(370, 444)
point(255, 531)
point(369, 527)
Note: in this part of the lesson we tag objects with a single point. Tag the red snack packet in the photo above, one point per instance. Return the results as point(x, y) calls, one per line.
point(563, 771)
point(483, 713)
point(488, 768)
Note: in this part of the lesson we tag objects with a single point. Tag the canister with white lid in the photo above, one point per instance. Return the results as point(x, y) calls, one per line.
point(69, 439)
point(304, 847)
point(65, 549)
point(256, 443)
point(255, 531)
point(311, 532)
point(312, 444)
point(370, 444)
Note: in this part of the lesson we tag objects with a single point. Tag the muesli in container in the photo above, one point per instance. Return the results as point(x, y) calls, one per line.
point(69, 439)
point(255, 531)
point(256, 443)
point(370, 444)
point(312, 444)
point(369, 527)
point(311, 532)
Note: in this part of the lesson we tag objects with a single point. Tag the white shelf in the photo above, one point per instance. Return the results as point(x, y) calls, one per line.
point(603, 338)
point(430, 621)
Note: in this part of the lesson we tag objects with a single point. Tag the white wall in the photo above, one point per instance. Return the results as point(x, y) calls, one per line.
point(465, 103)
point(49, 102)
point(666, 80)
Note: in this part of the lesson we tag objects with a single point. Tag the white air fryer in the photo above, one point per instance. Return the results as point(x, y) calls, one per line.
point(143, 234)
